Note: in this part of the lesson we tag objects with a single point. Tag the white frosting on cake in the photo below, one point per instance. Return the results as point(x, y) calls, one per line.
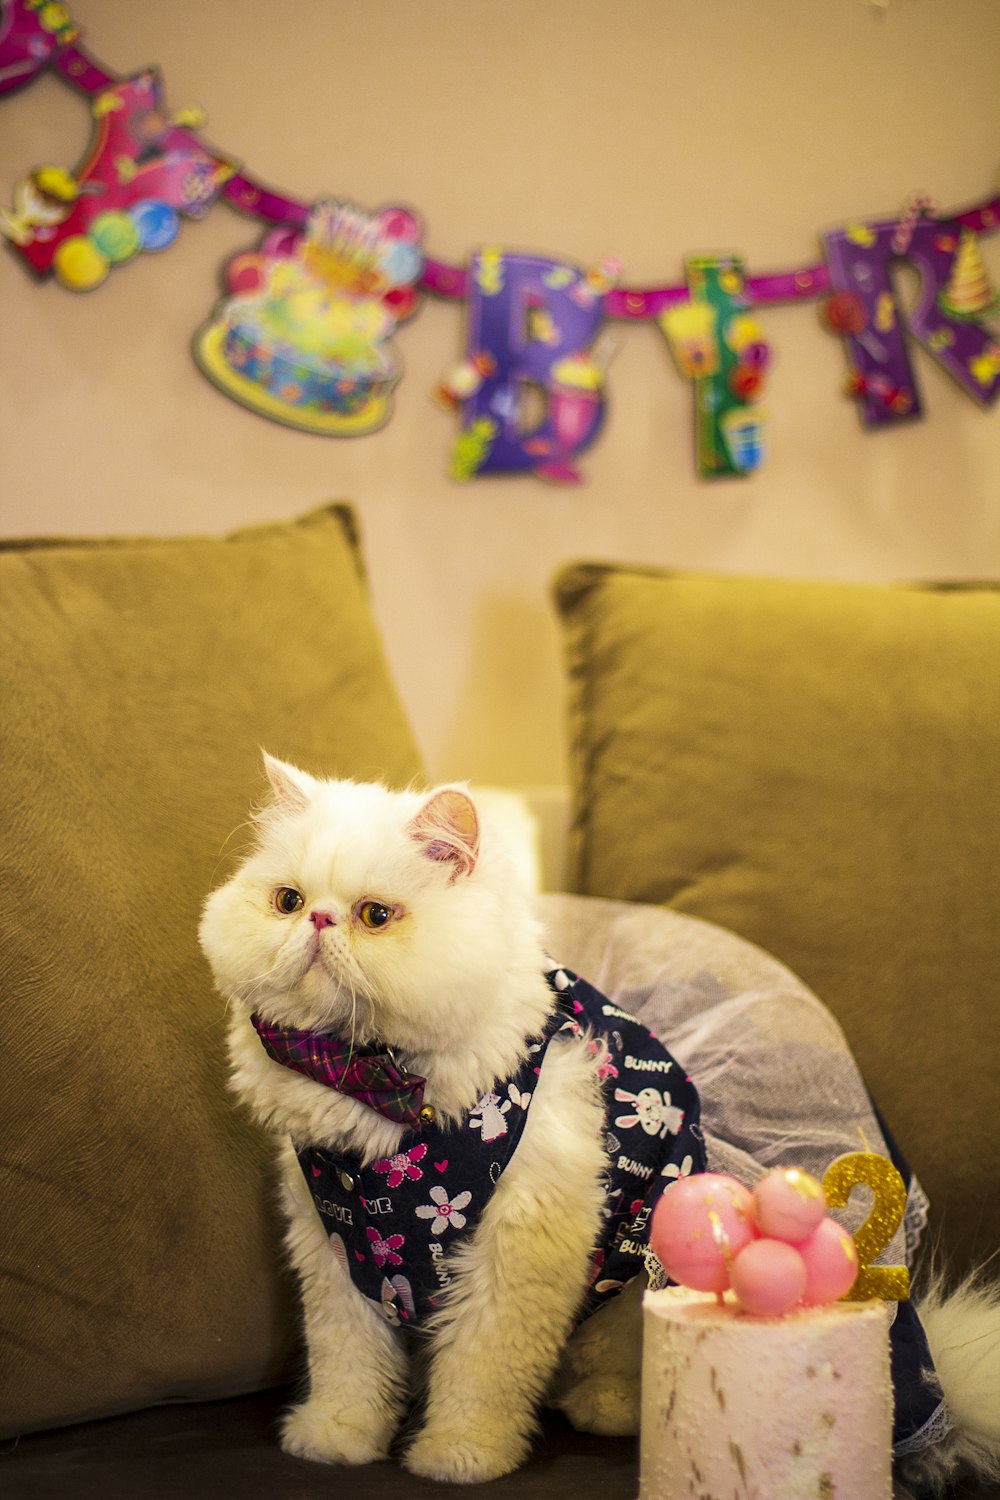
point(764, 1408)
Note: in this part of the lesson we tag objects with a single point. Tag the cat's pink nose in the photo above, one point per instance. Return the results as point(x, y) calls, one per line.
point(321, 919)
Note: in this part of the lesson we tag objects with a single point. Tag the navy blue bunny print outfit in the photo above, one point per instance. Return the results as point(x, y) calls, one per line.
point(394, 1221)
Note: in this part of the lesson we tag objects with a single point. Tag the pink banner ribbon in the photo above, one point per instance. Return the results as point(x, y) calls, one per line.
point(633, 304)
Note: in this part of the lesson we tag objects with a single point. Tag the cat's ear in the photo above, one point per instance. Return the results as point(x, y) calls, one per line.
point(291, 788)
point(447, 828)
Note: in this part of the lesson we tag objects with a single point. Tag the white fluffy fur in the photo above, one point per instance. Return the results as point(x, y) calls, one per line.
point(454, 984)
point(963, 1331)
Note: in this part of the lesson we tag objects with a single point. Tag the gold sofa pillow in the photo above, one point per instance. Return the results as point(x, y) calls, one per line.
point(816, 767)
point(141, 1254)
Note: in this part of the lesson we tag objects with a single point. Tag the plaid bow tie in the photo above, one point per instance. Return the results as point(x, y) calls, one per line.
point(376, 1079)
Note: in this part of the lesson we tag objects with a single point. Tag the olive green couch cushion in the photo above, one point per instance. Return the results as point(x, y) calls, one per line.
point(140, 1254)
point(816, 767)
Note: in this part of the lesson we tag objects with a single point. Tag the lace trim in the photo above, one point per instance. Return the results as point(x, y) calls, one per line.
point(915, 1218)
point(937, 1427)
point(656, 1277)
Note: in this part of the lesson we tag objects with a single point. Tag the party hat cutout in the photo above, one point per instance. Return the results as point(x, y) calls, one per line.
point(969, 293)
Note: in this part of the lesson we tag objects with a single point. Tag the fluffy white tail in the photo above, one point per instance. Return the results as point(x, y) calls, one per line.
point(963, 1330)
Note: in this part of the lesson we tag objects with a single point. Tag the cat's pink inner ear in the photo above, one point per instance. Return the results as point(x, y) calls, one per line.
point(448, 829)
point(290, 786)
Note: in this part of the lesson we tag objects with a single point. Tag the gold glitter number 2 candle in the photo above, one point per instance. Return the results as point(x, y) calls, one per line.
point(866, 1169)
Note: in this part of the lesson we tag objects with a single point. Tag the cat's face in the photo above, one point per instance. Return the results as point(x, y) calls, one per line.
point(357, 913)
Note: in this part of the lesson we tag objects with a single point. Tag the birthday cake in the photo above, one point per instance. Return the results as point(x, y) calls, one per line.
point(775, 1407)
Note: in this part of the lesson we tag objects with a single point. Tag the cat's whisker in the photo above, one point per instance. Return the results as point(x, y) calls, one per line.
point(253, 987)
point(225, 845)
point(354, 1013)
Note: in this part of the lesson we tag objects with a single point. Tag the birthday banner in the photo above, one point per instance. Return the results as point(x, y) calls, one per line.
point(305, 331)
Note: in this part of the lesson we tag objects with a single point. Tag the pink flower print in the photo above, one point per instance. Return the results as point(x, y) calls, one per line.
point(605, 1067)
point(385, 1250)
point(444, 1211)
point(403, 1164)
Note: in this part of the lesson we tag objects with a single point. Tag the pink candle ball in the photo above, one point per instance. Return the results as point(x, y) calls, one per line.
point(788, 1203)
point(698, 1226)
point(831, 1262)
point(769, 1277)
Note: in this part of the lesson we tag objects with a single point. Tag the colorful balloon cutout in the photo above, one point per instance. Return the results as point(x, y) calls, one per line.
point(305, 336)
point(950, 318)
point(116, 235)
point(143, 171)
point(532, 340)
point(80, 264)
point(158, 223)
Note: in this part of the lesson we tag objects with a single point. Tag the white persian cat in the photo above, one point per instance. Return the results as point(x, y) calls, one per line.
point(391, 1020)
point(396, 919)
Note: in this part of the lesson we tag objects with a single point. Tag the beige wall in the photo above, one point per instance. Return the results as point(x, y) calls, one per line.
point(646, 129)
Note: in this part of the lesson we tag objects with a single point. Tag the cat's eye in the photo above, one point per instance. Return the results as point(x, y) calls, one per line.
point(287, 899)
point(374, 914)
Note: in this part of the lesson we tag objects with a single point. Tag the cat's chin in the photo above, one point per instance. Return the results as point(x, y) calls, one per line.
point(317, 1004)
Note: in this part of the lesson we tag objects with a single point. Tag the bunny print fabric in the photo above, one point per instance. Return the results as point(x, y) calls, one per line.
point(393, 1221)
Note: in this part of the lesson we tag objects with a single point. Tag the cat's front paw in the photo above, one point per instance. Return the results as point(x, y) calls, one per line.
point(609, 1407)
point(316, 1431)
point(465, 1456)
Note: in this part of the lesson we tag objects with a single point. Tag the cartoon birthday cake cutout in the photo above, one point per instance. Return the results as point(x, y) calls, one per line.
point(305, 335)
